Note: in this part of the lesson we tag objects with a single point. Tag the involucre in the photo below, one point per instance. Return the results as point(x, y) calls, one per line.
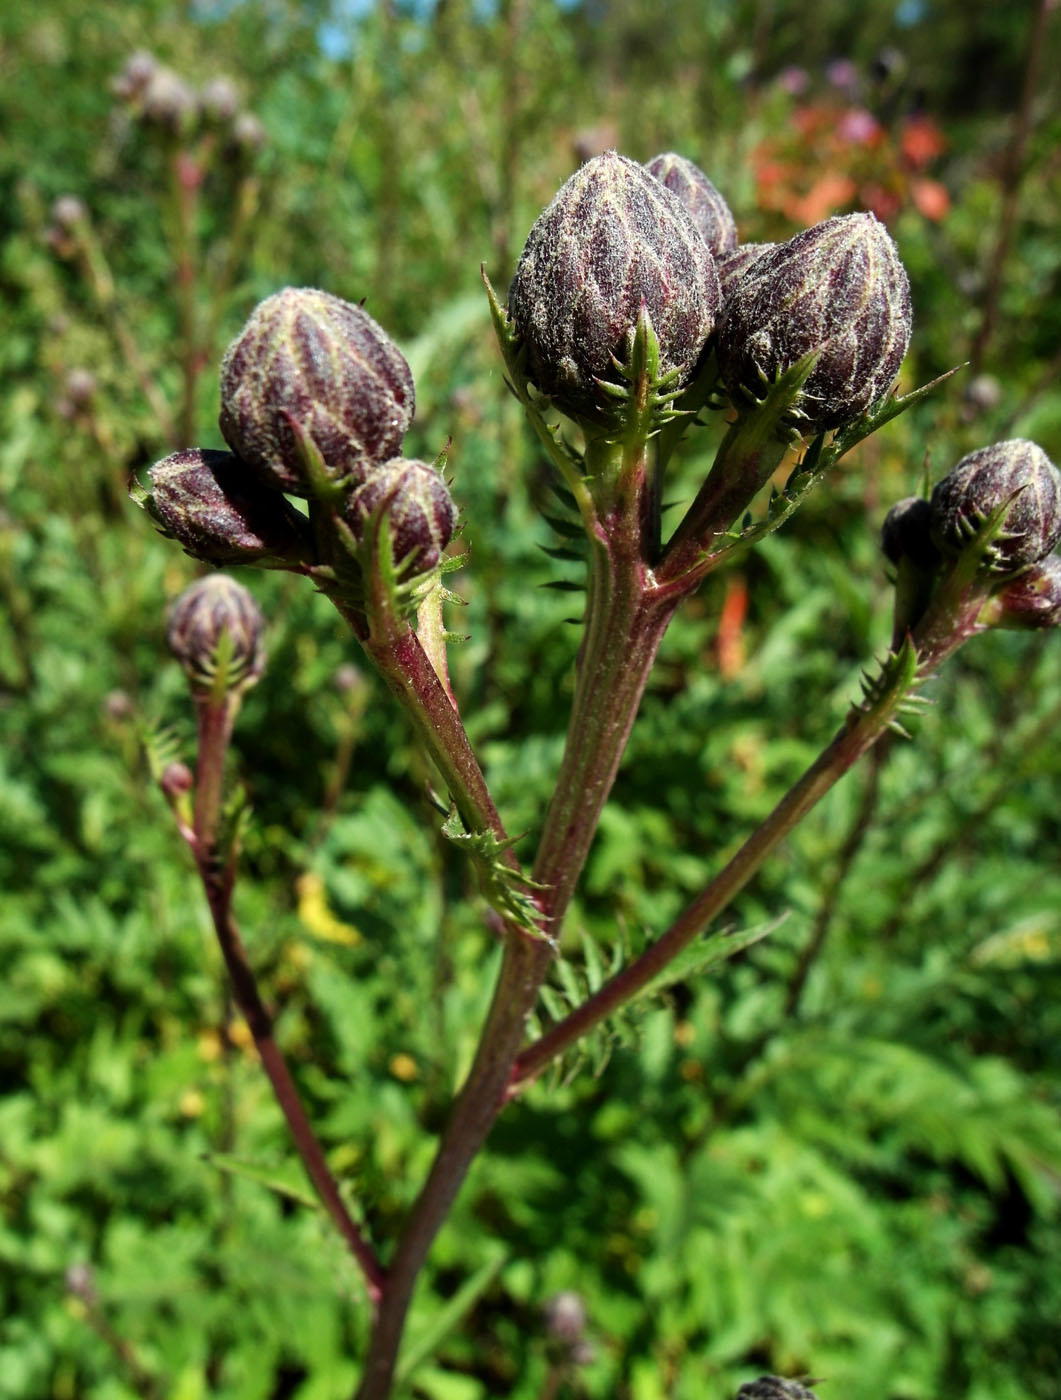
point(613, 238)
point(838, 288)
point(310, 358)
point(1016, 471)
point(207, 611)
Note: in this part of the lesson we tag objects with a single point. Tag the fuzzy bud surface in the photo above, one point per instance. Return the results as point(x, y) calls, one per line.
point(613, 237)
point(309, 357)
point(203, 614)
point(1016, 471)
point(732, 266)
point(710, 212)
point(421, 516)
point(774, 1388)
point(837, 288)
point(210, 503)
point(1033, 598)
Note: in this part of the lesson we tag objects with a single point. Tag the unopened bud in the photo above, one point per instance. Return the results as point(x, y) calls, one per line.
point(68, 212)
point(247, 135)
point(221, 513)
point(167, 101)
point(176, 779)
point(732, 266)
point(80, 386)
point(565, 1316)
point(212, 617)
point(1016, 472)
point(309, 359)
point(219, 99)
point(906, 533)
point(421, 516)
point(139, 68)
point(837, 288)
point(1032, 599)
point(710, 212)
point(614, 238)
point(774, 1388)
point(80, 1280)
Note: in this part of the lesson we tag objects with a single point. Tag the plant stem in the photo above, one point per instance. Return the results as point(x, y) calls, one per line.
point(215, 717)
point(859, 733)
point(480, 1101)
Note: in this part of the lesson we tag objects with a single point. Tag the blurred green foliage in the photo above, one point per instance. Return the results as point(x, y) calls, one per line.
point(837, 1155)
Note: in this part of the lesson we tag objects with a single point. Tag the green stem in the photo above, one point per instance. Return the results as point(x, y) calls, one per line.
point(853, 739)
point(215, 718)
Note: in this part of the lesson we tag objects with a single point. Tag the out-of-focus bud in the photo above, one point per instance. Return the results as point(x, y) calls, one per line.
point(732, 266)
point(205, 614)
point(118, 706)
point(247, 136)
point(219, 99)
point(1018, 472)
point(81, 1282)
point(565, 1316)
point(221, 513)
point(80, 387)
point(906, 533)
point(139, 69)
point(68, 212)
point(613, 238)
point(982, 394)
point(1032, 600)
point(167, 101)
point(774, 1388)
point(309, 359)
point(347, 678)
point(837, 288)
point(176, 779)
point(710, 212)
point(421, 516)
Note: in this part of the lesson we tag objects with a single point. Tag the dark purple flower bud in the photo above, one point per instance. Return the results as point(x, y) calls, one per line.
point(837, 288)
point(420, 513)
point(613, 238)
point(1017, 472)
point(308, 358)
point(906, 533)
point(221, 513)
point(176, 779)
point(208, 611)
point(774, 1388)
point(710, 212)
point(1033, 598)
point(732, 266)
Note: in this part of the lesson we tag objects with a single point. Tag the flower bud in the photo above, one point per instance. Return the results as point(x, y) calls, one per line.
point(732, 266)
point(1017, 472)
point(68, 212)
point(613, 238)
point(774, 1388)
point(906, 533)
point(246, 136)
point(421, 516)
point(207, 611)
point(1032, 600)
point(167, 101)
point(139, 69)
point(308, 358)
point(710, 212)
point(210, 503)
point(219, 99)
point(837, 288)
point(80, 386)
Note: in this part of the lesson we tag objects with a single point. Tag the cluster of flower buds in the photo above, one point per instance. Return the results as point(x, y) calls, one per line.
point(774, 1388)
point(1000, 510)
point(619, 237)
point(161, 99)
point(315, 403)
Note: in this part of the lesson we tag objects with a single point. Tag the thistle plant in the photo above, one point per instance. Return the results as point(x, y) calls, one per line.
point(632, 315)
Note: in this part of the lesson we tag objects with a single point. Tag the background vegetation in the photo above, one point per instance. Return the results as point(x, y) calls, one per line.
point(840, 1155)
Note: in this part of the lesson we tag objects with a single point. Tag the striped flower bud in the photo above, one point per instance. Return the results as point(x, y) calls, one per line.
point(613, 238)
point(837, 288)
point(1032, 599)
point(204, 500)
point(208, 611)
point(1017, 472)
point(774, 1388)
point(309, 359)
point(710, 212)
point(420, 514)
point(732, 266)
